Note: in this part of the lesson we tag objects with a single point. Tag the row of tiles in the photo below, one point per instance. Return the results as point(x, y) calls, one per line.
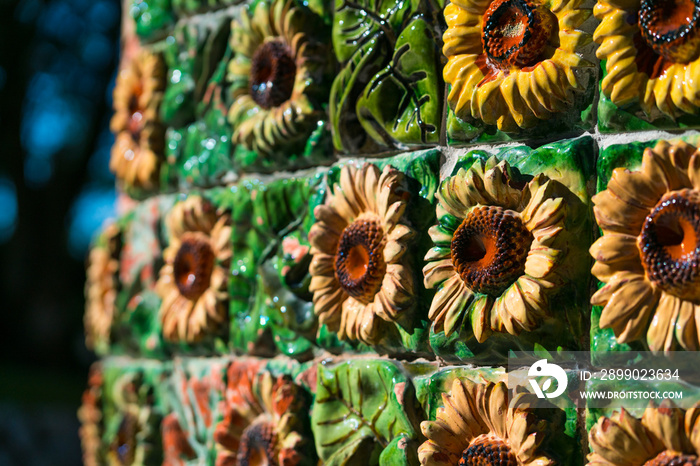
point(363, 412)
point(276, 85)
point(385, 257)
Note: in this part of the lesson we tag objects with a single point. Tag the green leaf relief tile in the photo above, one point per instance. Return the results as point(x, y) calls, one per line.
point(362, 407)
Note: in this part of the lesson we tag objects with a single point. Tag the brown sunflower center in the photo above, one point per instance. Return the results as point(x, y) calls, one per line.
point(489, 249)
point(670, 28)
point(272, 74)
point(258, 445)
point(669, 244)
point(359, 261)
point(124, 443)
point(672, 458)
point(193, 265)
point(515, 33)
point(488, 450)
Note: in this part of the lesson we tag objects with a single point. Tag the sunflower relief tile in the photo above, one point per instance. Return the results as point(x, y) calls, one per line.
point(193, 281)
point(101, 288)
point(516, 69)
point(364, 248)
point(121, 306)
point(480, 422)
point(508, 260)
point(664, 434)
point(278, 82)
point(649, 53)
point(131, 413)
point(264, 418)
point(645, 208)
point(360, 237)
point(90, 417)
point(138, 151)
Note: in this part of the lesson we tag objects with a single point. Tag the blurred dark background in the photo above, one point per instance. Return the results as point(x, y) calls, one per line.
point(57, 65)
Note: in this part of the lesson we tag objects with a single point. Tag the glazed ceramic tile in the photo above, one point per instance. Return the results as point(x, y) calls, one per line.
point(372, 227)
point(472, 416)
point(193, 280)
point(193, 53)
point(364, 413)
point(138, 150)
point(388, 92)
point(198, 148)
point(268, 288)
point(644, 208)
point(265, 415)
point(90, 417)
point(533, 82)
point(121, 413)
point(101, 288)
point(508, 262)
point(278, 82)
point(122, 303)
point(194, 395)
point(650, 62)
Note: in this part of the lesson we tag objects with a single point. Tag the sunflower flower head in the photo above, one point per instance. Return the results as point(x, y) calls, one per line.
point(511, 63)
point(651, 51)
point(360, 277)
point(91, 419)
point(277, 77)
point(140, 135)
point(477, 425)
point(261, 423)
point(649, 253)
point(665, 435)
point(495, 253)
point(193, 281)
point(101, 287)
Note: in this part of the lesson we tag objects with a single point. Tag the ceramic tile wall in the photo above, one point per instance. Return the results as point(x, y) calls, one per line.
point(339, 219)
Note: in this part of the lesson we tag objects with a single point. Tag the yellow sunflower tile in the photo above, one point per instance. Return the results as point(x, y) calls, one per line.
point(513, 63)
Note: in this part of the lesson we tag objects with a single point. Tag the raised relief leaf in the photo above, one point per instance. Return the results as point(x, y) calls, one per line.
point(359, 411)
point(196, 55)
point(401, 103)
point(194, 393)
point(364, 34)
point(358, 22)
point(348, 134)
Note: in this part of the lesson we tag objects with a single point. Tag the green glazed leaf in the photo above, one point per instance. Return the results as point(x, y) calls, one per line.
point(401, 103)
point(359, 22)
point(359, 411)
point(151, 17)
point(348, 134)
point(402, 451)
